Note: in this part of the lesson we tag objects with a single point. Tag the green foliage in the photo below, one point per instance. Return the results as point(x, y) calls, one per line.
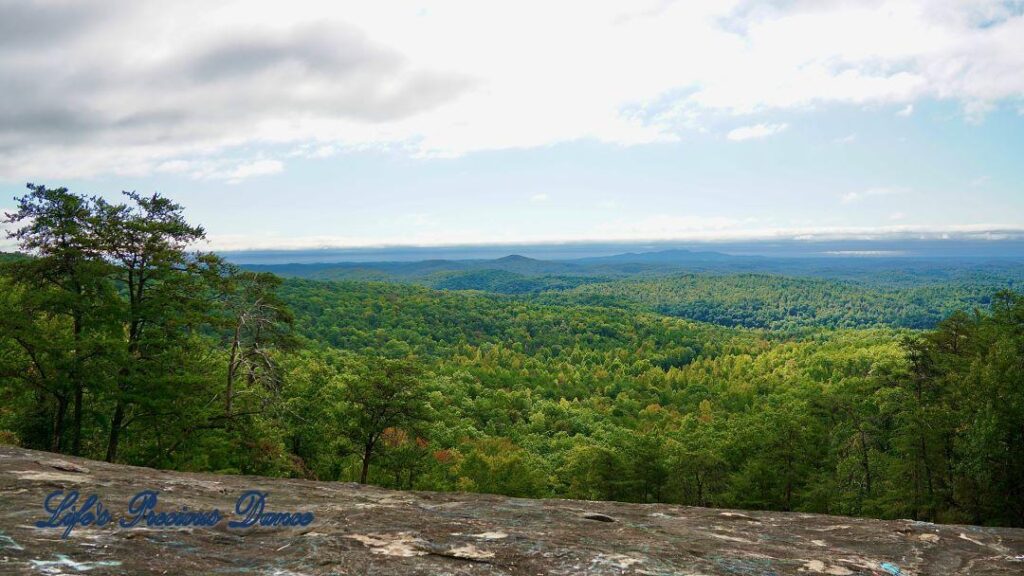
point(110, 328)
point(504, 282)
point(772, 293)
point(117, 341)
point(782, 304)
point(384, 396)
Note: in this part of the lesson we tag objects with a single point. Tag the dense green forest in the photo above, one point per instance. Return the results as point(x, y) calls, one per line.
point(780, 303)
point(729, 291)
point(890, 398)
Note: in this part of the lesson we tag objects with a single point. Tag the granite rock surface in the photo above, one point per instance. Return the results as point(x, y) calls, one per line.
point(365, 530)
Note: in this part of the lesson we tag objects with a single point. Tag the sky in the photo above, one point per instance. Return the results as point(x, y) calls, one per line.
point(335, 124)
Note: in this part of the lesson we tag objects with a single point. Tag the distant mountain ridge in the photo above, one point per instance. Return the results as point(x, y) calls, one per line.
point(510, 263)
point(663, 256)
point(1001, 246)
point(898, 270)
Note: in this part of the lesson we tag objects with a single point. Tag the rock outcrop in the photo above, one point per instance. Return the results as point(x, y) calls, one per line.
point(364, 530)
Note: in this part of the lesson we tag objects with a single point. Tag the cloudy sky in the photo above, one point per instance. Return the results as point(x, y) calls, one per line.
point(301, 123)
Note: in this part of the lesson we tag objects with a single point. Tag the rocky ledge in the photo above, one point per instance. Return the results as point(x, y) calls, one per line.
point(364, 530)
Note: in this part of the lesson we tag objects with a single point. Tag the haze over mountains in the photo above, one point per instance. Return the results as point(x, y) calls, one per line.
point(1010, 245)
point(847, 260)
point(837, 288)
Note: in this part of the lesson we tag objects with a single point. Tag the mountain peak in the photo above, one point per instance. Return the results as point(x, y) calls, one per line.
point(516, 258)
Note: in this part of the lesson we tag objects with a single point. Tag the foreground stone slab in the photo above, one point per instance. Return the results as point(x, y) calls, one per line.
point(365, 530)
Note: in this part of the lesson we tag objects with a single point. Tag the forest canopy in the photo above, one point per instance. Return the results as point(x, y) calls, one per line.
point(119, 341)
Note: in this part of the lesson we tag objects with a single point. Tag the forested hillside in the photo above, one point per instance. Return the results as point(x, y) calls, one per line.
point(781, 303)
point(603, 403)
point(777, 294)
point(119, 342)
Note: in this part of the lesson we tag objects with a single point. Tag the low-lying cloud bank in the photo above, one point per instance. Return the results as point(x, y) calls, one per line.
point(994, 238)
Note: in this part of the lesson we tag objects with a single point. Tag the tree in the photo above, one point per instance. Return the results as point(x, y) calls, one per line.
point(65, 278)
point(259, 321)
point(166, 289)
point(962, 428)
point(697, 463)
point(33, 353)
point(780, 443)
point(386, 394)
point(498, 466)
point(592, 472)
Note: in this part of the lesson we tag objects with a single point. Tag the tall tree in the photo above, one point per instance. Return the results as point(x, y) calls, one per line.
point(165, 287)
point(259, 322)
point(66, 278)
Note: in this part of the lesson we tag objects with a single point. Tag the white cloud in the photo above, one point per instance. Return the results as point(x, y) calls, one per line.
point(848, 139)
point(255, 168)
point(228, 170)
point(653, 228)
point(906, 110)
point(174, 167)
point(128, 86)
point(976, 110)
point(7, 244)
point(755, 131)
point(851, 197)
point(539, 198)
point(897, 216)
point(323, 152)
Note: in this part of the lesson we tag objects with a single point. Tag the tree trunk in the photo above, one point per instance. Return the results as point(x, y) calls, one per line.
point(76, 379)
point(115, 431)
point(368, 450)
point(76, 443)
point(232, 367)
point(865, 462)
point(58, 424)
point(789, 483)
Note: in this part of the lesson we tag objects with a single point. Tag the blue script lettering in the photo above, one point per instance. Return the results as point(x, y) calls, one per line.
point(64, 512)
point(68, 511)
point(142, 508)
point(250, 506)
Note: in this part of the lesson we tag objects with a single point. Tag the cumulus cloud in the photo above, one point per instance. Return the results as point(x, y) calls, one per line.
point(79, 104)
point(755, 131)
point(539, 198)
point(122, 87)
point(906, 110)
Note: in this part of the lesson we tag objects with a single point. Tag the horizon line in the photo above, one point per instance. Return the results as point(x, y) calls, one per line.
point(979, 235)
